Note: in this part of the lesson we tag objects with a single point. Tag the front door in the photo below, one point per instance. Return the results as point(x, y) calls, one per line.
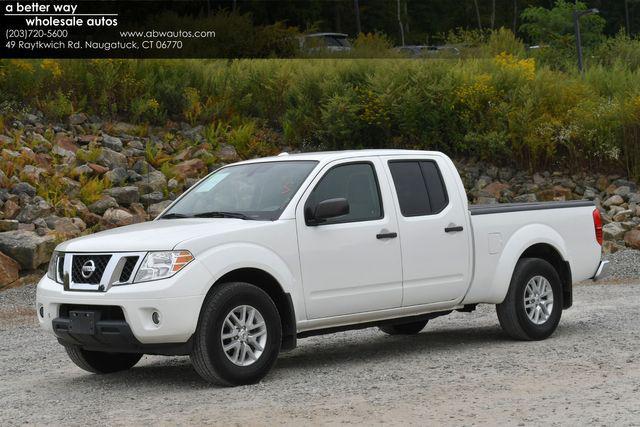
point(350, 264)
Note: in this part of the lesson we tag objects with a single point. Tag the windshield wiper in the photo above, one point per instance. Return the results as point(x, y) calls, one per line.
point(221, 214)
point(174, 215)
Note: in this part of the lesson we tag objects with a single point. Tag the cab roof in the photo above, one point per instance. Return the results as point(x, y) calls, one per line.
point(329, 156)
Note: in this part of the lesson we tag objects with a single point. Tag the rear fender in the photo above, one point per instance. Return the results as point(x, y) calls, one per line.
point(517, 244)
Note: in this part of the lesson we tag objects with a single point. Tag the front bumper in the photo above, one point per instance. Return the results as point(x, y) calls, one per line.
point(603, 269)
point(177, 301)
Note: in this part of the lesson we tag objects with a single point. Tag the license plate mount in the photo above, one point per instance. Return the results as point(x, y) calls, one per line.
point(82, 322)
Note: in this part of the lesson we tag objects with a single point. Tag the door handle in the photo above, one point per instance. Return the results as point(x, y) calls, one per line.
point(453, 228)
point(386, 235)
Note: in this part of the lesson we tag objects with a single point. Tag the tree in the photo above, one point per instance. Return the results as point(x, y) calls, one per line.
point(356, 9)
point(555, 26)
point(475, 2)
point(493, 14)
point(400, 23)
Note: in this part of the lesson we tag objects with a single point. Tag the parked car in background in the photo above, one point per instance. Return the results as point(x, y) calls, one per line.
point(424, 51)
point(264, 252)
point(332, 42)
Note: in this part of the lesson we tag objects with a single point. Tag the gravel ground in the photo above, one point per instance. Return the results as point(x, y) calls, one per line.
point(460, 370)
point(625, 265)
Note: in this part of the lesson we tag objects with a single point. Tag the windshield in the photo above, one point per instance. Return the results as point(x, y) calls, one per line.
point(258, 191)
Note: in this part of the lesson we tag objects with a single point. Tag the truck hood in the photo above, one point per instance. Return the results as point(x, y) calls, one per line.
point(155, 235)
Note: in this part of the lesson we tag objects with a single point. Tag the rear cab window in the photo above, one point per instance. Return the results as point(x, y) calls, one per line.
point(419, 186)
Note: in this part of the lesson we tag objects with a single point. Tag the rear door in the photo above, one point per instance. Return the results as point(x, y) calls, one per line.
point(432, 226)
point(350, 264)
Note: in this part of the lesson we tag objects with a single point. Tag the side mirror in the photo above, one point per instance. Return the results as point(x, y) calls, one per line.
point(326, 209)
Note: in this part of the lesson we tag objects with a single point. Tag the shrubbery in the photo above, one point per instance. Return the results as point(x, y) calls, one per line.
point(500, 105)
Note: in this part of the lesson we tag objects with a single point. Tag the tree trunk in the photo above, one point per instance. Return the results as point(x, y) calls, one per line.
point(406, 17)
point(626, 17)
point(400, 23)
point(475, 2)
point(356, 7)
point(515, 16)
point(493, 14)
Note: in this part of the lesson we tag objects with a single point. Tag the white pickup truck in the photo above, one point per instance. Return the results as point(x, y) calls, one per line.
point(263, 252)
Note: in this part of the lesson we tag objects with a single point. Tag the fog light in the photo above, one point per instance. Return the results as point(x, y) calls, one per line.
point(41, 311)
point(155, 316)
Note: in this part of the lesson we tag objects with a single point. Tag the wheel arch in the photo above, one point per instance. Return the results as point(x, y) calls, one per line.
point(532, 241)
point(550, 254)
point(274, 289)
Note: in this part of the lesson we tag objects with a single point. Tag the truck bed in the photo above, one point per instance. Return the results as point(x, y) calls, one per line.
point(519, 207)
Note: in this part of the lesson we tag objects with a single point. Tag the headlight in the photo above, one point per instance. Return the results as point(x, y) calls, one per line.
point(160, 265)
point(55, 267)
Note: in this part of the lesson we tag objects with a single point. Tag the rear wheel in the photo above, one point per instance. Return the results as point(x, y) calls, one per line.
point(533, 305)
point(404, 328)
point(100, 362)
point(238, 336)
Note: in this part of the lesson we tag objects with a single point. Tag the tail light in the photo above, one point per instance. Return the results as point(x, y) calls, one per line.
point(597, 225)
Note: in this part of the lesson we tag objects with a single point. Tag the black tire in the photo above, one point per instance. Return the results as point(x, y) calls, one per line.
point(404, 328)
point(208, 357)
point(512, 314)
point(100, 362)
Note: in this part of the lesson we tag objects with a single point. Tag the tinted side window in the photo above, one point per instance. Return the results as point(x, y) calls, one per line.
point(419, 186)
point(435, 186)
point(410, 187)
point(355, 182)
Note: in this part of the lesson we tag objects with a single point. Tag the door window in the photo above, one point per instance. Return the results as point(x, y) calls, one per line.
point(419, 186)
point(355, 182)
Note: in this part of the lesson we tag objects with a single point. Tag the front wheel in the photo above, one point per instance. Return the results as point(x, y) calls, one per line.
point(100, 362)
point(533, 305)
point(238, 336)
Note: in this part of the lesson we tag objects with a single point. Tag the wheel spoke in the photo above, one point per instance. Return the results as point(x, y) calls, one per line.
point(244, 335)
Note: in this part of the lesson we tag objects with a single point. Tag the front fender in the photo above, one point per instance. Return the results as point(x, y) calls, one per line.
point(517, 244)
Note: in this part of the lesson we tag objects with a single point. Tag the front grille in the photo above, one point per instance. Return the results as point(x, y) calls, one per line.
point(99, 261)
point(61, 267)
point(107, 312)
point(127, 270)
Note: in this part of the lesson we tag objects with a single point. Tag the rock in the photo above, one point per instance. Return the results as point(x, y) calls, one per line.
point(112, 159)
point(614, 200)
point(10, 209)
point(98, 169)
point(79, 223)
point(32, 173)
point(77, 119)
point(494, 189)
point(143, 167)
point(486, 200)
point(139, 214)
point(115, 217)
point(102, 205)
point(538, 179)
point(623, 191)
point(136, 145)
point(125, 195)
point(152, 198)
point(117, 176)
point(613, 231)
point(86, 139)
point(9, 270)
point(590, 193)
point(190, 168)
point(226, 153)
point(64, 146)
point(173, 185)
point(622, 215)
point(24, 188)
point(32, 211)
point(632, 239)
point(112, 142)
point(157, 208)
point(64, 226)
point(82, 170)
point(526, 198)
point(610, 247)
point(634, 198)
point(8, 225)
point(27, 248)
point(154, 181)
